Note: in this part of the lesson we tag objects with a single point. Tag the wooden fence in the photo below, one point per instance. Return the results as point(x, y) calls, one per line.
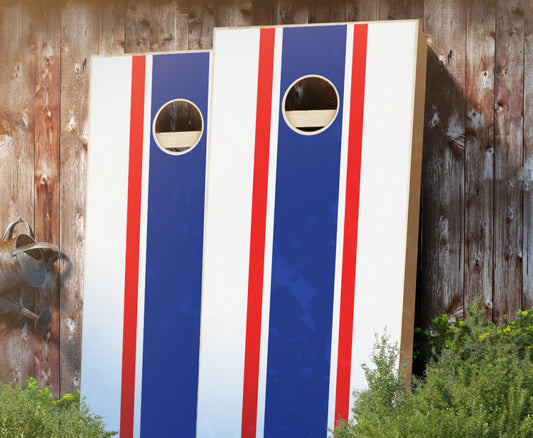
point(476, 225)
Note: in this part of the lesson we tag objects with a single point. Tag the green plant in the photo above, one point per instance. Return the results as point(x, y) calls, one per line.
point(479, 383)
point(29, 412)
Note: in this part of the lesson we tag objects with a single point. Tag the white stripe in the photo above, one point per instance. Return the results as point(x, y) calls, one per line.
point(107, 192)
point(340, 226)
point(384, 188)
point(269, 233)
point(142, 247)
point(227, 232)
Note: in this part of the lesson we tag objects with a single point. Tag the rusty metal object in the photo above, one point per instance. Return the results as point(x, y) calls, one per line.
point(41, 322)
point(23, 263)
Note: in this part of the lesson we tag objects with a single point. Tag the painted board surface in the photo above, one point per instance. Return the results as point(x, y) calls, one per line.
point(310, 237)
point(145, 219)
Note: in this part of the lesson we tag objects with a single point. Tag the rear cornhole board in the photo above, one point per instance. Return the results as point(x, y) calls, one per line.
point(312, 220)
point(145, 210)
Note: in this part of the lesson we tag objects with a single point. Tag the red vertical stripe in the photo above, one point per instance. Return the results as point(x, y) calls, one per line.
point(257, 237)
point(132, 246)
point(351, 218)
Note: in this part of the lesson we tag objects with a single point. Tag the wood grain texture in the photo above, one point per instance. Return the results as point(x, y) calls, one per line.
point(17, 360)
point(47, 172)
point(137, 26)
point(508, 156)
point(527, 288)
point(169, 25)
point(201, 23)
point(387, 10)
point(363, 10)
point(229, 13)
point(332, 12)
point(479, 152)
point(409, 9)
point(111, 29)
point(442, 237)
point(291, 12)
point(263, 12)
point(79, 40)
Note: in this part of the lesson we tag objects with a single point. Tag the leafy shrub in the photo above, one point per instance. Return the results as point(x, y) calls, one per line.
point(428, 344)
point(29, 412)
point(478, 384)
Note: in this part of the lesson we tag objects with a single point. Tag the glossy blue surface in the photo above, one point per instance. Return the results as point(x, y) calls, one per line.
point(174, 259)
point(305, 227)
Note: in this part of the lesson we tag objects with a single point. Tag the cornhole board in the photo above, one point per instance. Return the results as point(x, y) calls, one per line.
point(144, 240)
point(312, 220)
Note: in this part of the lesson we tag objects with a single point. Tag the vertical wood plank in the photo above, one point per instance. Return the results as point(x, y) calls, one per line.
point(79, 35)
point(169, 25)
point(201, 22)
point(387, 9)
point(47, 218)
point(233, 13)
point(442, 233)
point(16, 172)
point(112, 27)
point(327, 12)
point(527, 289)
point(509, 95)
point(409, 9)
point(263, 12)
point(137, 27)
point(291, 11)
point(479, 152)
point(370, 10)
point(362, 10)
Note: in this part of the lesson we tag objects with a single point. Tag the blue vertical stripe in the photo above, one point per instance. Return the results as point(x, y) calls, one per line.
point(303, 265)
point(176, 187)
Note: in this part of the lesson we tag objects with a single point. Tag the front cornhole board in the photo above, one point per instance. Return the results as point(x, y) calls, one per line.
point(144, 240)
point(311, 239)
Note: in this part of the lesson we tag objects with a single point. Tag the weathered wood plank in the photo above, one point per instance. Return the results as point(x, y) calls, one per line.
point(79, 36)
point(387, 9)
point(47, 218)
point(331, 12)
point(442, 233)
point(479, 152)
point(291, 12)
point(169, 25)
point(368, 10)
point(137, 27)
point(527, 288)
point(263, 12)
point(201, 22)
point(17, 360)
point(233, 13)
point(509, 95)
point(363, 10)
point(112, 27)
point(409, 9)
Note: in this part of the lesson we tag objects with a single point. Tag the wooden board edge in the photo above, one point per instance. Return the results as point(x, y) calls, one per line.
point(149, 53)
point(344, 23)
point(413, 207)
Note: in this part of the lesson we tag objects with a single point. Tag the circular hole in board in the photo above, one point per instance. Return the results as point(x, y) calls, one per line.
point(178, 126)
point(310, 104)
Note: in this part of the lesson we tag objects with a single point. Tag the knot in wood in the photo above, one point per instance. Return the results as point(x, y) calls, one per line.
point(508, 252)
point(509, 215)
